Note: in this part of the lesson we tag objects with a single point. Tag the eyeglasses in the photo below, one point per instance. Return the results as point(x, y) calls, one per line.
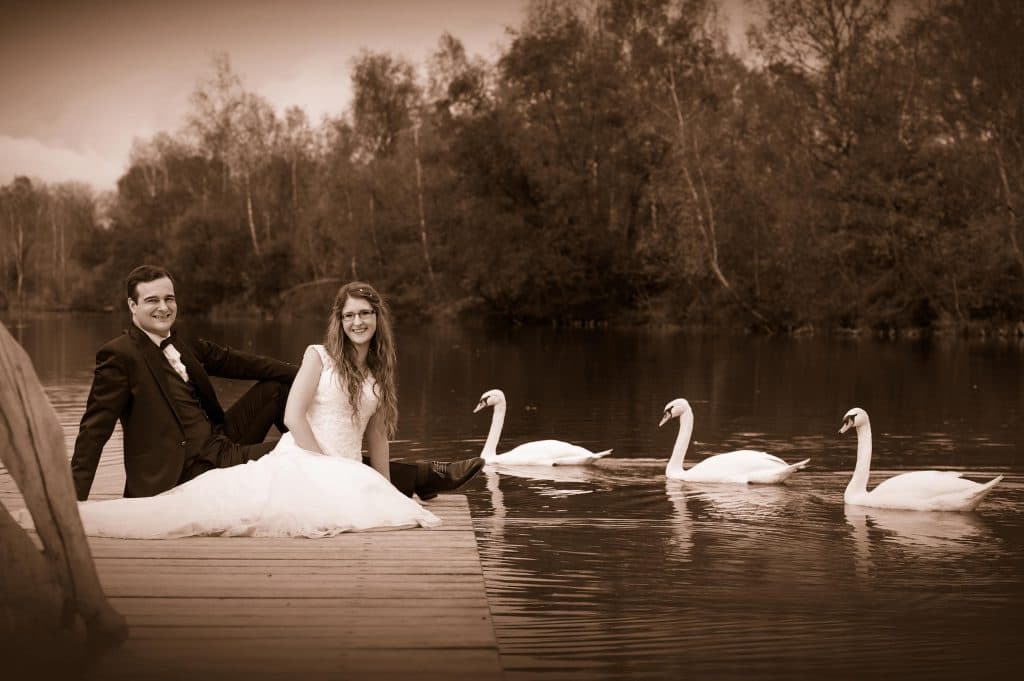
point(362, 314)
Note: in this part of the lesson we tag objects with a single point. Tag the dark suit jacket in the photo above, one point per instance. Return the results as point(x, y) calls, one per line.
point(129, 384)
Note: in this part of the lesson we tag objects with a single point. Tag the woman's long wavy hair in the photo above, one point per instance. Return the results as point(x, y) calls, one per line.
point(381, 361)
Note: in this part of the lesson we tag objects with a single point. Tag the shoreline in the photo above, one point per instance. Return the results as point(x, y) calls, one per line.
point(976, 330)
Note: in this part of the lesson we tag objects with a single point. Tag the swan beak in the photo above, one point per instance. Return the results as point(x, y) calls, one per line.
point(665, 417)
point(480, 405)
point(847, 424)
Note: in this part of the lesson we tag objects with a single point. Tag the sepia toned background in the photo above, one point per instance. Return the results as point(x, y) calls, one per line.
point(769, 166)
point(556, 197)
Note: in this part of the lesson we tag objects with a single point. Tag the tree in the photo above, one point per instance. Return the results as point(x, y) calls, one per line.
point(297, 142)
point(384, 96)
point(977, 49)
point(23, 208)
point(387, 103)
point(252, 144)
point(695, 76)
point(215, 104)
point(832, 46)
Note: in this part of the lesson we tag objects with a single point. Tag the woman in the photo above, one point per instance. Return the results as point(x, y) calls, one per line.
point(314, 483)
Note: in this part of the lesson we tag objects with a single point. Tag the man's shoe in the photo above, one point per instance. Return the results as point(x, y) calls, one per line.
point(445, 476)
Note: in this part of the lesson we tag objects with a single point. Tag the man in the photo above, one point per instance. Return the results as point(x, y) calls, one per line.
point(157, 383)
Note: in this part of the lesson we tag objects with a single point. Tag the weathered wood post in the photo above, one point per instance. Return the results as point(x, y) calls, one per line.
point(41, 593)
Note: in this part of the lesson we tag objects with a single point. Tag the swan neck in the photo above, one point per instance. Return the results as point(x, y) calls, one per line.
point(490, 451)
point(859, 481)
point(682, 443)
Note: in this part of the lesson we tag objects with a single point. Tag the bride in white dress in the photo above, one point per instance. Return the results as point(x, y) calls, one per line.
point(314, 483)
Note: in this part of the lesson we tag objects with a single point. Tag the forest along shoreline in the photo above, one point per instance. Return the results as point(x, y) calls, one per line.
point(983, 331)
point(856, 170)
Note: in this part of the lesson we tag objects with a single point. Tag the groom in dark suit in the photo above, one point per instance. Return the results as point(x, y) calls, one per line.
point(157, 383)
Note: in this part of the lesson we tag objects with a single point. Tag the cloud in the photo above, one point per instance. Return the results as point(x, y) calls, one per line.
point(319, 89)
point(36, 159)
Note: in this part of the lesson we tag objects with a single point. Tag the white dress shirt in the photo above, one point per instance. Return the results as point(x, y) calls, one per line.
point(171, 353)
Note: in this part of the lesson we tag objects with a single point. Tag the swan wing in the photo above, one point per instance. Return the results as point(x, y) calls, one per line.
point(929, 491)
point(925, 484)
point(739, 466)
point(777, 474)
point(545, 452)
point(582, 459)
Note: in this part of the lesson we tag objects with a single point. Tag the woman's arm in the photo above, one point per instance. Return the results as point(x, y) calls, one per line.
point(299, 399)
point(378, 446)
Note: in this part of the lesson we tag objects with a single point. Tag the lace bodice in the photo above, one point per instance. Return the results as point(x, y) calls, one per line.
point(330, 414)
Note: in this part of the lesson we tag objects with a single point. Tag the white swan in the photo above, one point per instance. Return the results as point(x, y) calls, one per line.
point(917, 491)
point(539, 453)
point(743, 466)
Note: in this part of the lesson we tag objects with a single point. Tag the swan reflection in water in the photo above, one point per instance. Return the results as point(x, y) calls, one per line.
point(744, 501)
point(546, 475)
point(922, 534)
point(704, 506)
point(546, 481)
point(950, 531)
point(575, 475)
point(496, 518)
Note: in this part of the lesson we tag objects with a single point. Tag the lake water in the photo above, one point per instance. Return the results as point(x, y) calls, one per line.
point(611, 572)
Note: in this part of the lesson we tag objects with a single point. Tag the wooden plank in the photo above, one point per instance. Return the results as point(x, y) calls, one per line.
point(309, 660)
point(304, 569)
point(362, 559)
point(226, 611)
point(361, 544)
point(331, 614)
point(466, 632)
point(283, 589)
point(160, 572)
point(368, 605)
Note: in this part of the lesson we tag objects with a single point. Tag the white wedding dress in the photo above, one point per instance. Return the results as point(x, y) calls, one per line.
point(289, 492)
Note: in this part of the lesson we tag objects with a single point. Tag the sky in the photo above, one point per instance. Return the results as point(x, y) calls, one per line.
point(80, 79)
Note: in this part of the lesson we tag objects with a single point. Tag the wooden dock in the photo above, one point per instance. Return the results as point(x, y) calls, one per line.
point(406, 604)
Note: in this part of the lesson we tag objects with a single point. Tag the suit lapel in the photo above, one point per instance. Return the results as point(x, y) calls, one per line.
point(199, 378)
point(155, 361)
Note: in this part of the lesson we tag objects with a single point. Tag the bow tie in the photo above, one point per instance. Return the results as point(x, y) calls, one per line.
point(174, 357)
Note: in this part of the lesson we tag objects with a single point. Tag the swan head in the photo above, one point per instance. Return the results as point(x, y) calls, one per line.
point(490, 398)
point(855, 418)
point(674, 410)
